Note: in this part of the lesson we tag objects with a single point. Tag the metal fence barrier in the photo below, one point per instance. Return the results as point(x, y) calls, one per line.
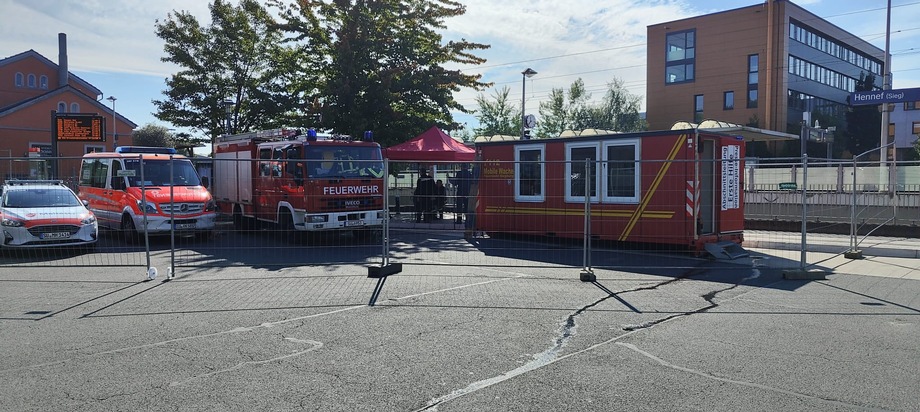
point(577, 233)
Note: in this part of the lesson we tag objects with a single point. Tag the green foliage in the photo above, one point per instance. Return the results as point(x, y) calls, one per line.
point(617, 111)
point(498, 115)
point(382, 63)
point(241, 55)
point(153, 135)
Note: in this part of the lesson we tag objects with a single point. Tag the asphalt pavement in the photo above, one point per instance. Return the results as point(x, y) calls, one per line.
point(472, 325)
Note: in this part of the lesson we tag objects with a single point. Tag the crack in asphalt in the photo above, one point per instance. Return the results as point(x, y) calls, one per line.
point(568, 330)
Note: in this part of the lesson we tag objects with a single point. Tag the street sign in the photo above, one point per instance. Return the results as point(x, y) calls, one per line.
point(787, 186)
point(884, 96)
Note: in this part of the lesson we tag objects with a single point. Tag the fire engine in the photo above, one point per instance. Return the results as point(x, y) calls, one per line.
point(300, 183)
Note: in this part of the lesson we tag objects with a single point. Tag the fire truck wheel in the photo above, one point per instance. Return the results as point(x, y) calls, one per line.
point(286, 224)
point(128, 231)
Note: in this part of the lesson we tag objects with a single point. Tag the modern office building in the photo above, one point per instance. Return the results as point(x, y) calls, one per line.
point(31, 87)
point(762, 65)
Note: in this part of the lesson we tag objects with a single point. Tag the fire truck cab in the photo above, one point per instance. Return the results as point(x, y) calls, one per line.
point(300, 183)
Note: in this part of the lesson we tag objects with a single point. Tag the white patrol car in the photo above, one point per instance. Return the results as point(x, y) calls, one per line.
point(42, 213)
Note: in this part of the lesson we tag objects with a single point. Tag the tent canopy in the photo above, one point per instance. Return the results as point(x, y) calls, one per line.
point(431, 146)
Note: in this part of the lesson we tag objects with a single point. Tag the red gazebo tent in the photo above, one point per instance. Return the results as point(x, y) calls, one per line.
point(431, 146)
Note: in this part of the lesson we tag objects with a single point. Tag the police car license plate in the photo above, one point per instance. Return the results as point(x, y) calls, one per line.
point(54, 235)
point(354, 223)
point(183, 226)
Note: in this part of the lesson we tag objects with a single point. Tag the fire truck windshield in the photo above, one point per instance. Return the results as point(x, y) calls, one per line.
point(157, 173)
point(343, 161)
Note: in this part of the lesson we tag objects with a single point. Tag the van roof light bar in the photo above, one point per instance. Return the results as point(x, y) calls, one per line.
point(145, 149)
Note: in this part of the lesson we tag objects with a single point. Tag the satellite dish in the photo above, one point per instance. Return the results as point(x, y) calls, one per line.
point(530, 121)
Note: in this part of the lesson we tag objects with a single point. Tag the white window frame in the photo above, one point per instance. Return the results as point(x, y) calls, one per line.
point(19, 79)
point(75, 107)
point(637, 189)
point(568, 171)
point(517, 173)
point(62, 107)
point(43, 82)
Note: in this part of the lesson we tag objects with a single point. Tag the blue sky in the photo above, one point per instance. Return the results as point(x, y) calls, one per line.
point(112, 44)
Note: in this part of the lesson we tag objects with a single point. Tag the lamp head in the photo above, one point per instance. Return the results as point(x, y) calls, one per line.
point(529, 72)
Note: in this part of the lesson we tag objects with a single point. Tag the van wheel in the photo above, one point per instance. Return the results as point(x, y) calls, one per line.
point(128, 231)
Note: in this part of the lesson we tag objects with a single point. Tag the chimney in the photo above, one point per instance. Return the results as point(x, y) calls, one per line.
point(63, 71)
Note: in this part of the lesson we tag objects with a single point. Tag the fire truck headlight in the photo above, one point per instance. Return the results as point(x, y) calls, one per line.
point(88, 220)
point(150, 207)
point(317, 218)
point(210, 206)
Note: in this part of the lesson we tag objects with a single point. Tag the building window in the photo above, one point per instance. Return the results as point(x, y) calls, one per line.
point(43, 82)
point(581, 170)
point(62, 107)
point(891, 130)
point(75, 107)
point(916, 128)
point(32, 81)
point(910, 105)
point(698, 108)
point(621, 184)
point(753, 70)
point(19, 79)
point(93, 149)
point(728, 100)
point(528, 173)
point(680, 57)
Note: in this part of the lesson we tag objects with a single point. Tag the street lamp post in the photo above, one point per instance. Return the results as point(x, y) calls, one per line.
point(526, 75)
point(228, 110)
point(114, 133)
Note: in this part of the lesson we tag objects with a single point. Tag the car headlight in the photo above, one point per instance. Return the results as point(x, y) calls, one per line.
point(210, 206)
point(317, 219)
point(10, 222)
point(150, 207)
point(88, 220)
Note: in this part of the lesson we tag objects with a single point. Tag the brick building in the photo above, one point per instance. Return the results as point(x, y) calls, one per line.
point(31, 87)
point(762, 65)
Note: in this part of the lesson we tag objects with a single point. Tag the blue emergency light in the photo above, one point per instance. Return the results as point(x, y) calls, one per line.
point(145, 149)
point(368, 136)
point(311, 135)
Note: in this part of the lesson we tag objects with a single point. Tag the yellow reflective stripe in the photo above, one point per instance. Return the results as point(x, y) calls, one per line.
point(651, 191)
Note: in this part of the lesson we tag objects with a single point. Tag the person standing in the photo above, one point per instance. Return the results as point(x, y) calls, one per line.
point(440, 198)
point(424, 196)
point(462, 180)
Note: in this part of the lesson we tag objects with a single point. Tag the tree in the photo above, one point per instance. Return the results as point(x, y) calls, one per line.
point(154, 136)
point(239, 56)
point(498, 115)
point(618, 111)
point(382, 63)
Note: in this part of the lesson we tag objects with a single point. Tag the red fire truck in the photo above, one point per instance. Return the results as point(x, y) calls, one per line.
point(301, 183)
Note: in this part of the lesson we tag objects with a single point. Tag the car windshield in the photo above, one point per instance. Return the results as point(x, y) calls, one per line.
point(157, 173)
point(344, 161)
point(39, 198)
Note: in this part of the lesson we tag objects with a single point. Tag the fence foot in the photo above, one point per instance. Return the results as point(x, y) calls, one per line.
point(587, 276)
point(381, 273)
point(853, 254)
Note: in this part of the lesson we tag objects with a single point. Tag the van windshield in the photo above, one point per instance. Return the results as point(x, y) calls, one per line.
point(343, 161)
point(157, 173)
